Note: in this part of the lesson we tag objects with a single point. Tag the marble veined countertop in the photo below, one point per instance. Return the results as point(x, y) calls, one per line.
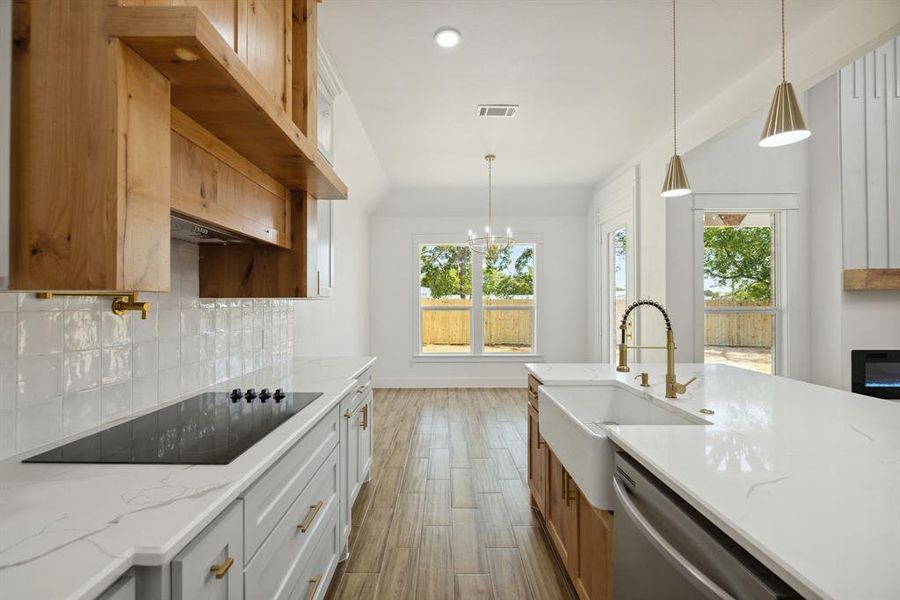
point(70, 530)
point(804, 477)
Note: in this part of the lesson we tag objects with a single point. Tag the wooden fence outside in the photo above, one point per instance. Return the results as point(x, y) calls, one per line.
point(738, 330)
point(452, 327)
point(516, 327)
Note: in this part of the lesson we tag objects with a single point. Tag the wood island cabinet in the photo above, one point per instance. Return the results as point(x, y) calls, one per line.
point(580, 534)
point(561, 515)
point(537, 462)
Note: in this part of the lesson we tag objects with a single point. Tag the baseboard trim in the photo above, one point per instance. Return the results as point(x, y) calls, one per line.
point(450, 382)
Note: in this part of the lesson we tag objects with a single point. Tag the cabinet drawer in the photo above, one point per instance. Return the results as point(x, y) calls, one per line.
point(281, 560)
point(269, 498)
point(122, 589)
point(212, 565)
point(319, 565)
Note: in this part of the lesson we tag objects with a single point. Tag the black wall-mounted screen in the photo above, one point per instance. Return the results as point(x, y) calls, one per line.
point(876, 373)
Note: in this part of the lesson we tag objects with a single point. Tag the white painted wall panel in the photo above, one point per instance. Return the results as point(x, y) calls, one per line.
point(853, 166)
point(876, 160)
point(870, 159)
point(892, 96)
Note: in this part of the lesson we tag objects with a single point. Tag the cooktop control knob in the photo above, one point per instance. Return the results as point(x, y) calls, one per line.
point(250, 395)
point(236, 395)
point(264, 394)
point(279, 395)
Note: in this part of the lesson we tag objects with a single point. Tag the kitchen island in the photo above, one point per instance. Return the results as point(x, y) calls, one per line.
point(803, 477)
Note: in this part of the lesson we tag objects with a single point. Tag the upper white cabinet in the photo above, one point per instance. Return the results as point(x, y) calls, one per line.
point(325, 248)
point(870, 159)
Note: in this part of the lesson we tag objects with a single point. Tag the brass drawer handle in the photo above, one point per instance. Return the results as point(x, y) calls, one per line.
point(222, 570)
point(365, 421)
point(567, 490)
point(313, 511)
point(315, 587)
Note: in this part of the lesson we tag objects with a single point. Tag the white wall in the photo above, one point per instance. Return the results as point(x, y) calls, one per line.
point(814, 54)
point(825, 322)
point(614, 198)
point(733, 168)
point(561, 298)
point(339, 325)
point(841, 321)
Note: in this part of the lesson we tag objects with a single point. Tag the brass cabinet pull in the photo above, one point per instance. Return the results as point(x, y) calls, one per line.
point(365, 421)
point(315, 587)
point(313, 511)
point(565, 486)
point(222, 570)
point(567, 492)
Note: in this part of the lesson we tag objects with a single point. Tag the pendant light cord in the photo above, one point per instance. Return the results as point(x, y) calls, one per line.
point(490, 160)
point(675, 87)
point(783, 78)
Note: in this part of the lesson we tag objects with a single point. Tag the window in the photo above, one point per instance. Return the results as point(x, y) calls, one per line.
point(476, 305)
point(741, 299)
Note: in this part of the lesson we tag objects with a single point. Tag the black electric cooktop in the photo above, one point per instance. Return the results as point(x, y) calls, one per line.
point(210, 429)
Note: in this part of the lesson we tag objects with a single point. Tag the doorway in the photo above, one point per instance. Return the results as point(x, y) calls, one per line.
point(616, 281)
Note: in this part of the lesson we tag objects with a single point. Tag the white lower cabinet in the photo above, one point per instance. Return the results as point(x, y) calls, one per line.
point(212, 565)
point(357, 410)
point(289, 552)
point(312, 584)
point(267, 500)
point(285, 534)
point(123, 589)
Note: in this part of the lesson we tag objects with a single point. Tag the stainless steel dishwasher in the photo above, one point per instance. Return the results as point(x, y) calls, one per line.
point(664, 549)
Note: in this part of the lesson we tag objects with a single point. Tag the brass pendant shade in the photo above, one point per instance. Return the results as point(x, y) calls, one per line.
point(676, 182)
point(785, 124)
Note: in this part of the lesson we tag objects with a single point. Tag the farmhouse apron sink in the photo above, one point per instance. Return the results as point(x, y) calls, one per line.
point(574, 421)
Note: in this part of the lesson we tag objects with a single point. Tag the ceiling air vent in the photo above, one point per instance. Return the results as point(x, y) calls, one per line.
point(503, 111)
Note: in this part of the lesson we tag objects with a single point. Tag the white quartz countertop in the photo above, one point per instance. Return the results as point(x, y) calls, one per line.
point(804, 477)
point(70, 530)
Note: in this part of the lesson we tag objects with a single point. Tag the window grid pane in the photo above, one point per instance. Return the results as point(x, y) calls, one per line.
point(504, 312)
point(739, 273)
point(509, 330)
point(446, 331)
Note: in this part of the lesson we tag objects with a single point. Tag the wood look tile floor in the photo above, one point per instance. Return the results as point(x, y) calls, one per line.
point(447, 512)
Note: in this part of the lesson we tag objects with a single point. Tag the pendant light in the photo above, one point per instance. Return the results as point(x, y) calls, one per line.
point(483, 244)
point(676, 182)
point(785, 124)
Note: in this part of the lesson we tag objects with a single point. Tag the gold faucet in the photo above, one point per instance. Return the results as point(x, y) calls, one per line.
point(121, 303)
point(673, 388)
point(130, 302)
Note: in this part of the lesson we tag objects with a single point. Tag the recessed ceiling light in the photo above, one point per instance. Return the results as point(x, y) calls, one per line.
point(447, 37)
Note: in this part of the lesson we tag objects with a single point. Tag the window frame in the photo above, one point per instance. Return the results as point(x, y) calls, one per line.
point(779, 306)
point(476, 337)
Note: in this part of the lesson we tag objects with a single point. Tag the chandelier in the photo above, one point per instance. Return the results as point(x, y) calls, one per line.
point(483, 244)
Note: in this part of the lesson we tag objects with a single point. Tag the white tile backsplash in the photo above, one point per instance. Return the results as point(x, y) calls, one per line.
point(40, 332)
point(68, 364)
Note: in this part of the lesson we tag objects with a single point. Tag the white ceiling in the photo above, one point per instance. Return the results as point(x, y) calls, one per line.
point(593, 78)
